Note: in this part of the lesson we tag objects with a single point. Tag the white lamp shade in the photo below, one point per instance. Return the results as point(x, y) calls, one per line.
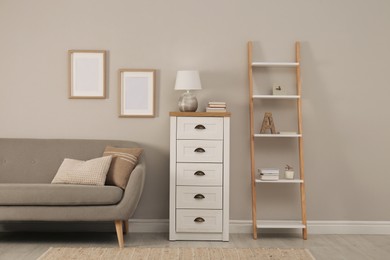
point(187, 80)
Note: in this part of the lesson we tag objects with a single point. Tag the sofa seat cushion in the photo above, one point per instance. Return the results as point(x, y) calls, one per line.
point(58, 195)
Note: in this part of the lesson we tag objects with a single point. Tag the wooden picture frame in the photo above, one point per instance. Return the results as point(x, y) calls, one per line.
point(137, 92)
point(87, 74)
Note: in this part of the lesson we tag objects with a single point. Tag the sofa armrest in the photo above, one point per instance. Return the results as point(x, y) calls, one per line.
point(133, 191)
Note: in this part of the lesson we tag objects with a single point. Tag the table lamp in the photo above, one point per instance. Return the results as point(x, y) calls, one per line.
point(188, 80)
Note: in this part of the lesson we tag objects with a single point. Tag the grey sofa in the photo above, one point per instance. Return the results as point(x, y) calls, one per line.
point(27, 167)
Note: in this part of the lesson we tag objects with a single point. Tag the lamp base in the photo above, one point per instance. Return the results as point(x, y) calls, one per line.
point(188, 102)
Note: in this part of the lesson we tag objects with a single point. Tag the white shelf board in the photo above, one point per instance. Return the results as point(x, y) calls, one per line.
point(275, 64)
point(280, 181)
point(279, 224)
point(278, 135)
point(276, 96)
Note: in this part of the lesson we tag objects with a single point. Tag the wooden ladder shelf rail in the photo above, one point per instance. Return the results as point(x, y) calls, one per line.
point(296, 64)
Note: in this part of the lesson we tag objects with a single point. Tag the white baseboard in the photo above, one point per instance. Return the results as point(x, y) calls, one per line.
point(245, 226)
point(236, 226)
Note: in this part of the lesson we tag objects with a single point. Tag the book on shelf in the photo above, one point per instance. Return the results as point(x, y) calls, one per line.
point(269, 174)
point(287, 133)
point(217, 103)
point(269, 170)
point(272, 177)
point(216, 106)
point(213, 109)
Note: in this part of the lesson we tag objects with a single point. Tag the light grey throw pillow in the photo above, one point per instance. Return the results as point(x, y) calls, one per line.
point(92, 172)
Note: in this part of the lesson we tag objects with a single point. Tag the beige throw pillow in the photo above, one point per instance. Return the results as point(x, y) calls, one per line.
point(123, 163)
point(92, 172)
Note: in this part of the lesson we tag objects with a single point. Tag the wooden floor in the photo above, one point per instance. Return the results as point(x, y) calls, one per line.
point(18, 245)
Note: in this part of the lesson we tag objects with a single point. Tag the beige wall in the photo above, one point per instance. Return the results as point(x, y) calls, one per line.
point(345, 72)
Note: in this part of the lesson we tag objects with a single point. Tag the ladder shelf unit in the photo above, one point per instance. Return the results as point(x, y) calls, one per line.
point(252, 65)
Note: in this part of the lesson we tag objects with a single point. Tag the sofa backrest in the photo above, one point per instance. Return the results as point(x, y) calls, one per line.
point(37, 160)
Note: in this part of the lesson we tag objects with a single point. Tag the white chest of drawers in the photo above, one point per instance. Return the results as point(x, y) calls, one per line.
point(199, 176)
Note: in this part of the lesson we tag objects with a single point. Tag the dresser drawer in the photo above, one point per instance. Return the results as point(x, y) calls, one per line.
point(197, 221)
point(196, 197)
point(199, 174)
point(199, 151)
point(199, 128)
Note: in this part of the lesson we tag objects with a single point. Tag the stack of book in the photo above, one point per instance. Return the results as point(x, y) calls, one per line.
point(269, 174)
point(215, 106)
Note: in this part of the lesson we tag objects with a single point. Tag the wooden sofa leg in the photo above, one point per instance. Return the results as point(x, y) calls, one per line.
point(126, 226)
point(119, 232)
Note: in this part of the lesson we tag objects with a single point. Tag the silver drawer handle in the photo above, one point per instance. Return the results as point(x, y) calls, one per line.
point(199, 150)
point(199, 196)
point(199, 220)
point(199, 173)
point(200, 127)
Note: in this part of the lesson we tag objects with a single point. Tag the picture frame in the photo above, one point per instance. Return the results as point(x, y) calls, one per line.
point(87, 74)
point(137, 92)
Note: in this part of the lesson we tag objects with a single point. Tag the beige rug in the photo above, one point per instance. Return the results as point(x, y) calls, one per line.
point(175, 253)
